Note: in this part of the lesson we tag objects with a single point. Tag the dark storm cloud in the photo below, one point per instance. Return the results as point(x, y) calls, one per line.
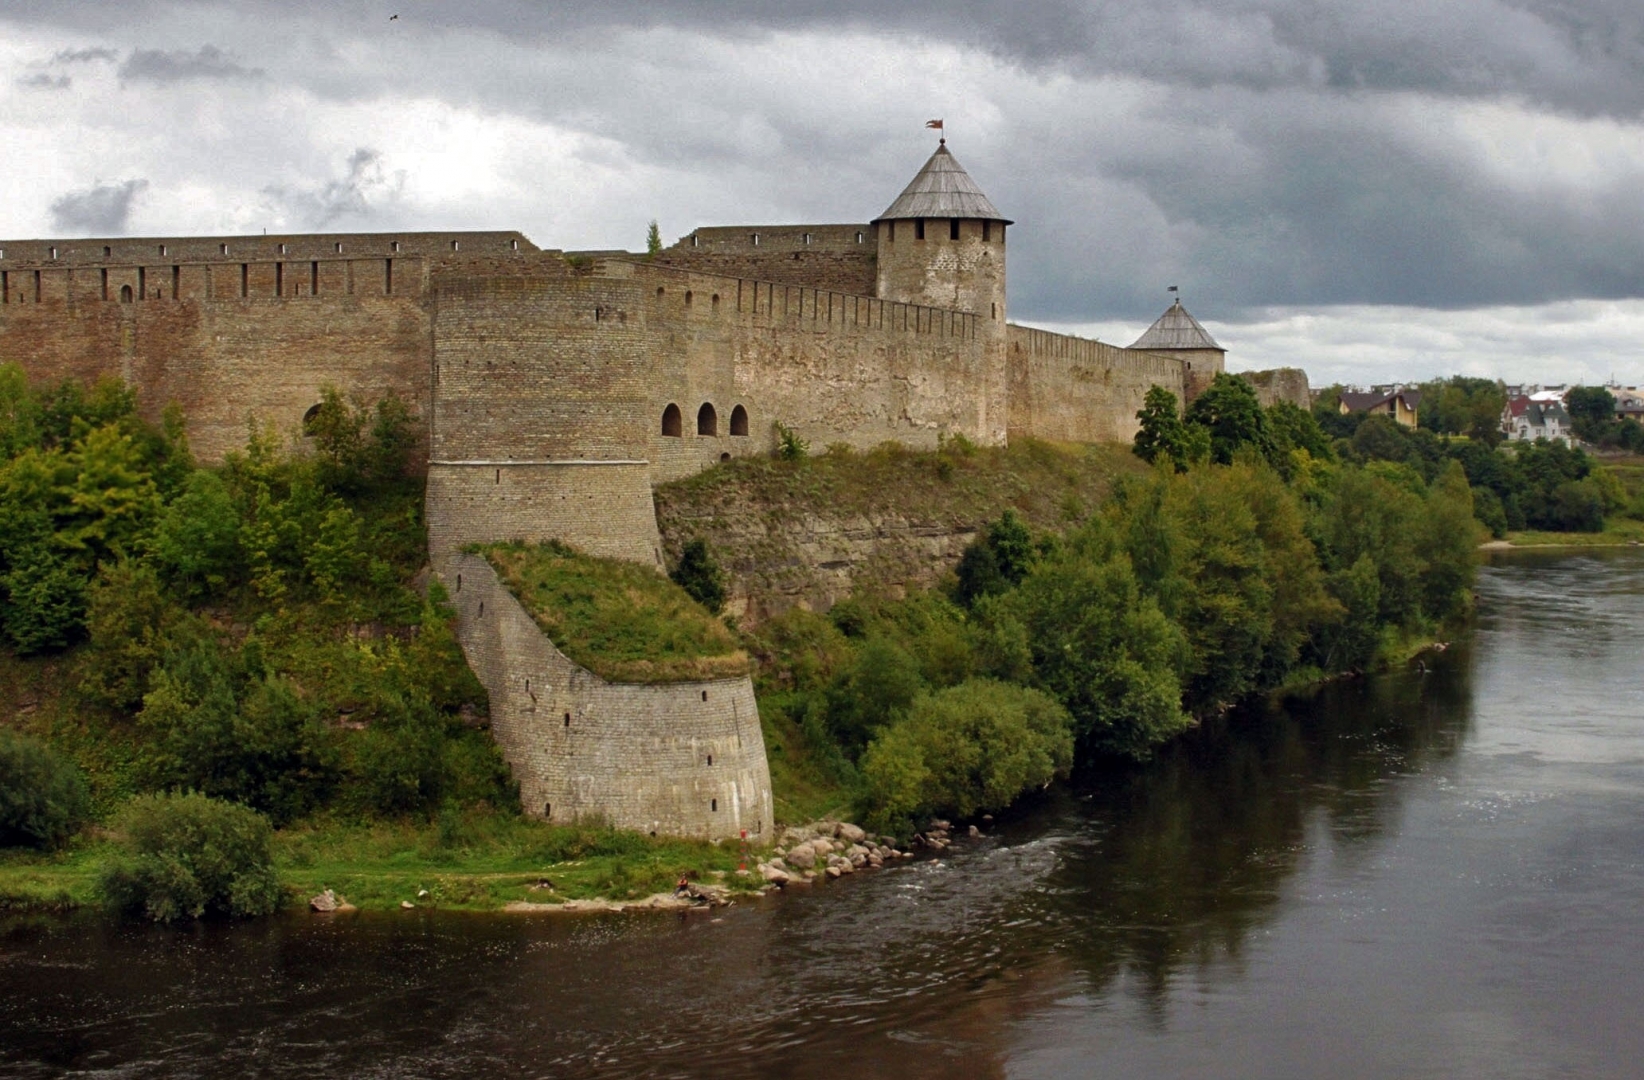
point(158, 66)
point(1290, 152)
point(98, 211)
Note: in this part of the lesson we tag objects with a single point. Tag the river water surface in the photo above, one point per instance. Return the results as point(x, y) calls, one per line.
point(1433, 873)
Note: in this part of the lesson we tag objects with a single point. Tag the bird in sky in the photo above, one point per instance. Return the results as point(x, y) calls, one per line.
point(391, 18)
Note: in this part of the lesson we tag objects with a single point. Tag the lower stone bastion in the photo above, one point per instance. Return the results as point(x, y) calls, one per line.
point(680, 759)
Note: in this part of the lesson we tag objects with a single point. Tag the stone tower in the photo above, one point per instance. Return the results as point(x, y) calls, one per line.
point(1177, 334)
point(942, 243)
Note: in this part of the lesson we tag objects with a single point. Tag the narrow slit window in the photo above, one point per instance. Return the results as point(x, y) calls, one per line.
point(953, 228)
point(987, 230)
point(713, 805)
point(919, 228)
point(108, 252)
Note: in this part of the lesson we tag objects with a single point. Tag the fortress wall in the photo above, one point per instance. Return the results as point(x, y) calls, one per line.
point(543, 402)
point(683, 759)
point(838, 258)
point(220, 341)
point(602, 509)
point(138, 250)
point(1074, 389)
point(833, 367)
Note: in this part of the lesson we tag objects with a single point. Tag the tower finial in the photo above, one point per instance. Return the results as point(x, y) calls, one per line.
point(937, 124)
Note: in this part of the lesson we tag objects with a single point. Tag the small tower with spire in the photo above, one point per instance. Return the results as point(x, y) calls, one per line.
point(1178, 334)
point(942, 244)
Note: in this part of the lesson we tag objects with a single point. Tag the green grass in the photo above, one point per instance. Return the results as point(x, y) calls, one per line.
point(477, 859)
point(620, 620)
point(1617, 531)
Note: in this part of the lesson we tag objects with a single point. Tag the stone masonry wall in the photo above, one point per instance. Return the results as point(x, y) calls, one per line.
point(833, 367)
point(226, 341)
point(1280, 384)
point(1073, 389)
point(683, 759)
point(836, 258)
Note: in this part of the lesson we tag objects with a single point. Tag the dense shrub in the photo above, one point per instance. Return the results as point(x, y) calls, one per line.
point(699, 574)
point(185, 856)
point(43, 799)
point(970, 748)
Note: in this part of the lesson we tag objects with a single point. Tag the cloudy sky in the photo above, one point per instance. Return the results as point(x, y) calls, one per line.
point(1370, 189)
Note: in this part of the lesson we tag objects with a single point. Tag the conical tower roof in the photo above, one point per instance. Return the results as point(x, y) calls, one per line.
point(942, 189)
point(1176, 329)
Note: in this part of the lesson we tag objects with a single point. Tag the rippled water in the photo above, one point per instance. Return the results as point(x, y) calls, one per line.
point(1431, 873)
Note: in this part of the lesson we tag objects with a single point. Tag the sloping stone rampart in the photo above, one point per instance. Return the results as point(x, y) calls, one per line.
point(680, 759)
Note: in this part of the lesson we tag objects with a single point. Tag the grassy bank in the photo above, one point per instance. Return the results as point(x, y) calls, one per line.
point(473, 860)
point(1617, 531)
point(621, 620)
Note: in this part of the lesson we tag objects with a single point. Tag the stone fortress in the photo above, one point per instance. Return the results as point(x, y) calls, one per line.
point(559, 388)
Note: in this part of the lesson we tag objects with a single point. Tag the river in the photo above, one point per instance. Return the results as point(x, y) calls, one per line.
point(1425, 873)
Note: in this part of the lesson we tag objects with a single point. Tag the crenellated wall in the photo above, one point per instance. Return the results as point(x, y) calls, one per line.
point(679, 759)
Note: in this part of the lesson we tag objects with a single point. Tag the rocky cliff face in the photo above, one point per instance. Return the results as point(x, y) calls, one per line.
point(810, 533)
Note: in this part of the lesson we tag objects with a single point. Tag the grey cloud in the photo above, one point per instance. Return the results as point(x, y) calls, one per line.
point(101, 210)
point(84, 56)
point(42, 81)
point(157, 66)
point(357, 196)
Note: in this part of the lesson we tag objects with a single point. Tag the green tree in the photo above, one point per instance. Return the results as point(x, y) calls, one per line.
point(43, 798)
point(1162, 433)
point(1101, 646)
point(1230, 411)
point(964, 750)
point(698, 573)
point(1591, 410)
point(653, 238)
point(185, 856)
point(996, 561)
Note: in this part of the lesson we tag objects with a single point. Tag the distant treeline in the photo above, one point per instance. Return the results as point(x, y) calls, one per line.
point(1515, 485)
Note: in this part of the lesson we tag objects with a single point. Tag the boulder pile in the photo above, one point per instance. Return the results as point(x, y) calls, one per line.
point(828, 850)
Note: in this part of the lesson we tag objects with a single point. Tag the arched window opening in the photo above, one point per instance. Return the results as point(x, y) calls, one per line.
point(688, 298)
point(125, 294)
point(707, 421)
point(755, 239)
point(672, 423)
point(714, 300)
point(309, 417)
point(456, 245)
point(859, 238)
point(704, 695)
point(726, 456)
point(807, 238)
point(739, 421)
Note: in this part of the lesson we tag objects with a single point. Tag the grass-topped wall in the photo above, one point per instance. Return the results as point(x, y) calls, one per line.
point(623, 621)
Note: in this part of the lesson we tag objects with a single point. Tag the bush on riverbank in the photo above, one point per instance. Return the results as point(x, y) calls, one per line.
point(43, 797)
point(187, 855)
